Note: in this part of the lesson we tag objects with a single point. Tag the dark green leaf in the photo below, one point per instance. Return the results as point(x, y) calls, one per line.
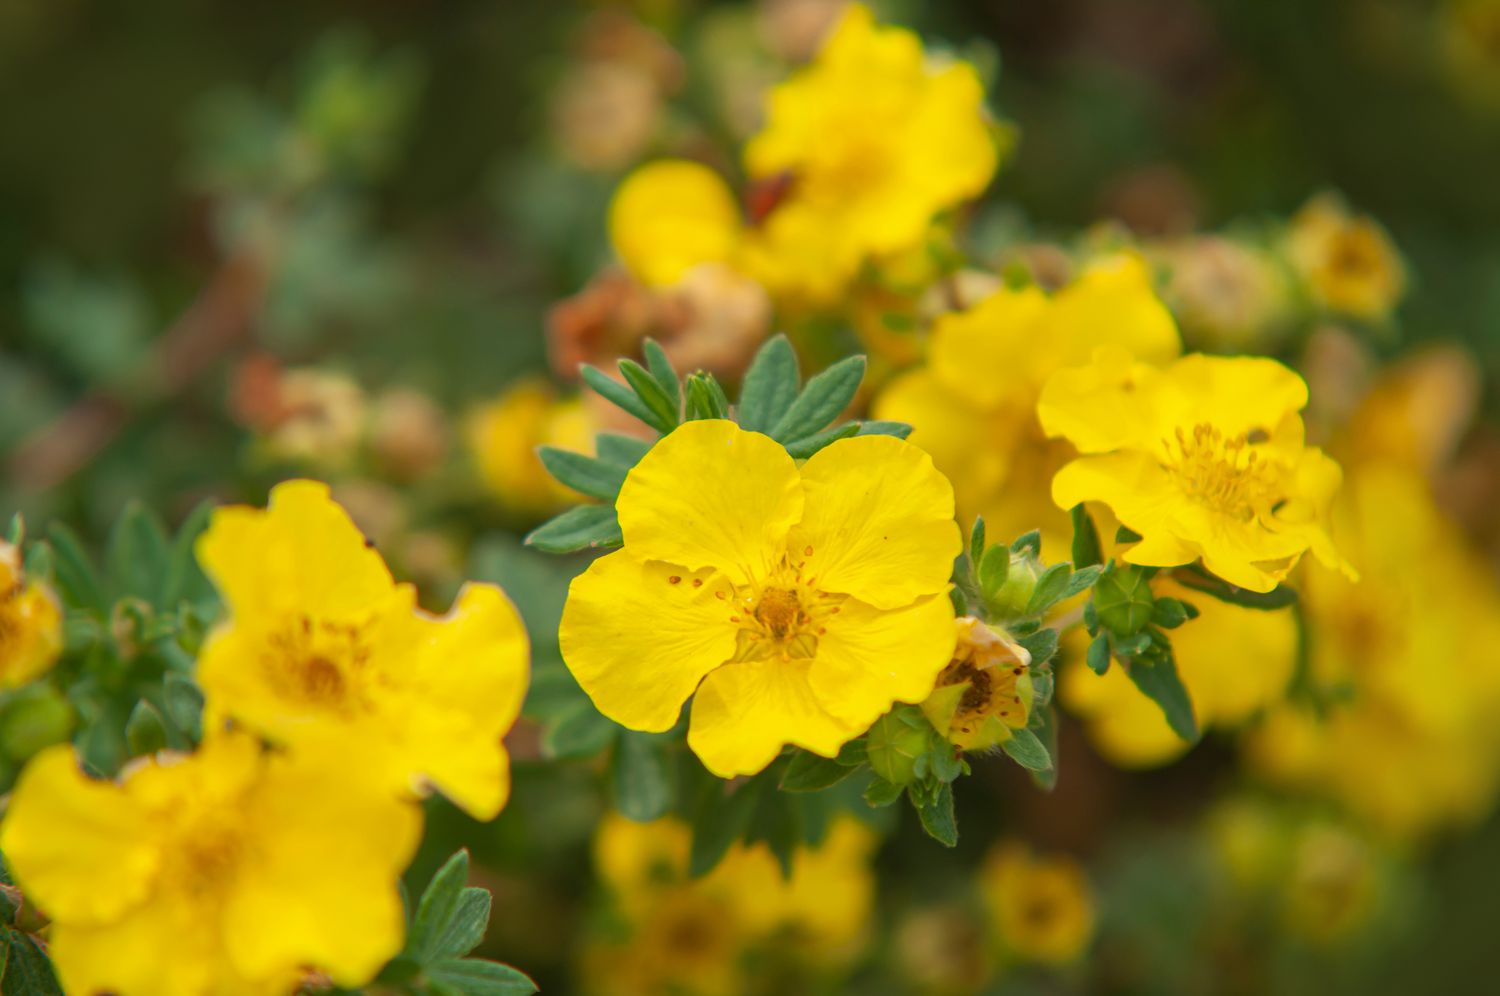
point(1125, 535)
point(1044, 725)
point(184, 705)
point(1042, 645)
point(719, 820)
point(582, 732)
point(662, 372)
point(994, 568)
point(465, 928)
point(770, 385)
point(643, 777)
point(801, 449)
point(705, 398)
point(1029, 543)
point(821, 401)
point(474, 977)
point(1098, 655)
point(75, 573)
point(881, 793)
point(28, 972)
point(1169, 613)
point(656, 399)
point(622, 451)
point(1160, 683)
point(185, 579)
point(137, 555)
point(1049, 589)
point(1026, 750)
point(937, 816)
point(438, 906)
point(1123, 599)
point(1081, 581)
point(584, 527)
point(1277, 598)
point(620, 396)
point(145, 733)
point(1087, 550)
point(808, 772)
point(877, 427)
point(584, 474)
point(976, 545)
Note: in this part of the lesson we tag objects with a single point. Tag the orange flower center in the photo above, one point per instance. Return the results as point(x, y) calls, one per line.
point(783, 617)
point(319, 663)
point(1224, 474)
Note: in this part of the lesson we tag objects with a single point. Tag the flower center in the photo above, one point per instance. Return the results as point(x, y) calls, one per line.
point(202, 857)
point(991, 692)
point(1224, 474)
point(783, 618)
point(318, 663)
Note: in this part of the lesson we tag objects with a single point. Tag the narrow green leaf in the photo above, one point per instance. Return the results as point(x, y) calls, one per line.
point(881, 793)
point(584, 527)
point(976, 544)
point(1098, 655)
point(184, 704)
point(770, 385)
point(1049, 589)
point(75, 572)
point(644, 786)
point(581, 732)
point(1026, 750)
point(1028, 543)
point(1042, 645)
point(145, 733)
point(705, 398)
point(466, 927)
point(619, 395)
point(437, 907)
point(879, 427)
point(137, 555)
point(662, 372)
point(667, 412)
point(1087, 550)
point(719, 820)
point(809, 772)
point(1169, 613)
point(937, 816)
point(822, 400)
point(1081, 581)
point(185, 579)
point(1279, 597)
point(585, 474)
point(15, 533)
point(28, 971)
point(622, 451)
point(1162, 685)
point(994, 568)
point(475, 977)
point(803, 448)
point(1044, 725)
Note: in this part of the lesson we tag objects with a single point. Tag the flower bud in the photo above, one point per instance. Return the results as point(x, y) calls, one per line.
point(985, 692)
point(895, 742)
point(1011, 598)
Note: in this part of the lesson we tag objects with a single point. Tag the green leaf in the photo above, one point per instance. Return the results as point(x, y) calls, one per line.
point(581, 732)
point(1160, 683)
point(1028, 542)
point(622, 451)
point(1098, 655)
point(1026, 750)
point(1081, 581)
point(1049, 589)
point(584, 474)
point(437, 908)
point(137, 554)
point(1123, 599)
point(662, 372)
point(937, 815)
point(882, 793)
point(880, 427)
point(656, 399)
point(1044, 726)
point(1279, 597)
point(644, 785)
point(74, 572)
point(705, 398)
point(583, 527)
point(895, 742)
point(474, 977)
point(809, 772)
point(1125, 535)
point(28, 971)
point(1169, 613)
point(994, 568)
point(145, 733)
point(976, 546)
point(719, 820)
point(821, 401)
point(183, 701)
point(15, 533)
point(770, 385)
point(803, 448)
point(185, 579)
point(1087, 550)
point(465, 927)
point(619, 395)
point(1042, 645)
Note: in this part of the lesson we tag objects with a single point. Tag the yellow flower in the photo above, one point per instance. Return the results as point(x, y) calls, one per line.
point(324, 652)
point(671, 215)
point(1042, 907)
point(30, 623)
point(973, 406)
point(504, 435)
point(985, 691)
point(798, 603)
point(875, 140)
point(1348, 262)
point(1203, 459)
point(230, 871)
point(1233, 661)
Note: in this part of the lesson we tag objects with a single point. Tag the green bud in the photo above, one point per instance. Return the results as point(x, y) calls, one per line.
point(895, 742)
point(37, 717)
point(1014, 593)
point(1123, 600)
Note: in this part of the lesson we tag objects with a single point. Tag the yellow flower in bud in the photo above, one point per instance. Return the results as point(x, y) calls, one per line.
point(324, 653)
point(1042, 907)
point(796, 604)
point(30, 623)
point(1204, 459)
point(503, 437)
point(973, 406)
point(985, 691)
point(1347, 262)
point(230, 871)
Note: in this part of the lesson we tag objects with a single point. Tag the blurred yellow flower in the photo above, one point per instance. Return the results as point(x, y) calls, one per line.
point(504, 434)
point(31, 635)
point(323, 652)
point(1042, 907)
point(1348, 263)
point(693, 935)
point(1411, 659)
point(1203, 459)
point(985, 691)
point(230, 871)
point(973, 406)
point(1233, 661)
point(795, 604)
point(671, 215)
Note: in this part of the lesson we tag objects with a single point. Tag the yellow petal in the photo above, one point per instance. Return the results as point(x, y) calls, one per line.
point(1112, 403)
point(1124, 726)
point(712, 495)
point(1234, 394)
point(986, 353)
point(322, 888)
point(80, 848)
point(303, 554)
point(669, 216)
point(745, 713)
point(869, 659)
point(639, 641)
point(878, 522)
point(1114, 303)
